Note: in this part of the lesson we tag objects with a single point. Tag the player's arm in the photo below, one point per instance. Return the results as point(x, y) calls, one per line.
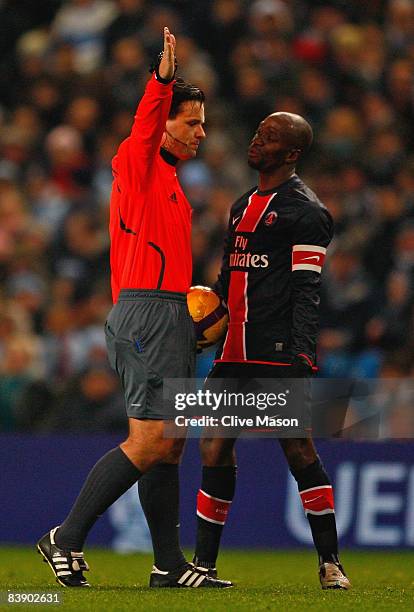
point(312, 234)
point(135, 156)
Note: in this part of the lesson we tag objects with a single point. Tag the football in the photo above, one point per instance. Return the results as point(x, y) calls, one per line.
point(209, 315)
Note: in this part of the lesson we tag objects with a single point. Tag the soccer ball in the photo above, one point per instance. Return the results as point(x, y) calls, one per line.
point(209, 315)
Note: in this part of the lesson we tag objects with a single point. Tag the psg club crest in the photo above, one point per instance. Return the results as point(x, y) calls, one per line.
point(270, 218)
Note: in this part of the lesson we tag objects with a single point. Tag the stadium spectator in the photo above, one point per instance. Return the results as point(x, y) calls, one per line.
point(390, 324)
point(21, 364)
point(125, 72)
point(127, 24)
point(82, 23)
point(90, 403)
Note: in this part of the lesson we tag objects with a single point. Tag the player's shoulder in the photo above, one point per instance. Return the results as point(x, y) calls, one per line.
point(305, 201)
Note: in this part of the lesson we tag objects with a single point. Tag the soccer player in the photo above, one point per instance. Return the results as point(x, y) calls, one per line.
point(274, 252)
point(149, 331)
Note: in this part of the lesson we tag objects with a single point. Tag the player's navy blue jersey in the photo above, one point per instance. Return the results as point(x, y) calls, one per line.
point(274, 251)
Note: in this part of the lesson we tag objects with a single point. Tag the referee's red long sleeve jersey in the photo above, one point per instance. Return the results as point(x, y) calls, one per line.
point(150, 217)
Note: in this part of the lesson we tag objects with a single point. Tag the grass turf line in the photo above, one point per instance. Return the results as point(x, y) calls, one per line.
point(281, 580)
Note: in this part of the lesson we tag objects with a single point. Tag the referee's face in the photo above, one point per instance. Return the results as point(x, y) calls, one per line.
point(185, 132)
point(270, 148)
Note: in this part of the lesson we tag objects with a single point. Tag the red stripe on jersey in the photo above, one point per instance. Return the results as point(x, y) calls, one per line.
point(254, 211)
point(308, 257)
point(235, 343)
point(212, 509)
point(318, 500)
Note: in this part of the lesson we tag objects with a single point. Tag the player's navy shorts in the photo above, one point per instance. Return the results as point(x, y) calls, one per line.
point(239, 377)
point(245, 378)
point(150, 336)
point(248, 370)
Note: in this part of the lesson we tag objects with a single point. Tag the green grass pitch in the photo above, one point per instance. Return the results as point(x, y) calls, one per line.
point(280, 580)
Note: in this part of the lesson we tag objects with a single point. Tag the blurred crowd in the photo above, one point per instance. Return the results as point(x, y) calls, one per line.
point(71, 74)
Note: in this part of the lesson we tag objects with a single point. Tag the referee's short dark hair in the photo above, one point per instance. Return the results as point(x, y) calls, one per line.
point(184, 92)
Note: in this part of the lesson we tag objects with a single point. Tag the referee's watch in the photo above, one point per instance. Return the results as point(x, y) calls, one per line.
point(155, 68)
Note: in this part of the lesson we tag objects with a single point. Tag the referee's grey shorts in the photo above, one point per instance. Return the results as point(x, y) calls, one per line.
point(150, 336)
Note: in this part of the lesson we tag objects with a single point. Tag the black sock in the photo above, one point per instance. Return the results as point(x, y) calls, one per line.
point(319, 499)
point(159, 495)
point(110, 477)
point(213, 504)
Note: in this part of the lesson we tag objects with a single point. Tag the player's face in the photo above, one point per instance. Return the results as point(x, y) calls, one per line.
point(269, 149)
point(184, 133)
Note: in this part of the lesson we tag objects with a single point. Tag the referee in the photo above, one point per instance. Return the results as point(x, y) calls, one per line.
point(149, 331)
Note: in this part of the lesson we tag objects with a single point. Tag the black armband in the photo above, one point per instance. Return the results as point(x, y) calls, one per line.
point(155, 68)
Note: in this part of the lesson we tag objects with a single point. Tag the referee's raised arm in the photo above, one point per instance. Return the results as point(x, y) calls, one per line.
point(136, 153)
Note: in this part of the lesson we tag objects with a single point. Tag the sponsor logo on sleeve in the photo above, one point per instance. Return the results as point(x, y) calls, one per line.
point(308, 257)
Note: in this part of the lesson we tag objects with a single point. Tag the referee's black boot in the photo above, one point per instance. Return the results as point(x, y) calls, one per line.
point(186, 576)
point(209, 569)
point(68, 566)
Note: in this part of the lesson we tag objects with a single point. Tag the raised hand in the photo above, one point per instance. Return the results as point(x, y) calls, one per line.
point(167, 65)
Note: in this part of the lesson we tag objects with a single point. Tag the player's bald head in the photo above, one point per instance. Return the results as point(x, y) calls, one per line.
point(294, 129)
point(280, 141)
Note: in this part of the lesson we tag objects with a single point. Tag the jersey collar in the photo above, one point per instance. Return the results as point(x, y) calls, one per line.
point(168, 157)
point(278, 188)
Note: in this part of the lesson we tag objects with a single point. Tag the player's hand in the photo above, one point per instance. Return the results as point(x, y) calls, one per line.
point(167, 64)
